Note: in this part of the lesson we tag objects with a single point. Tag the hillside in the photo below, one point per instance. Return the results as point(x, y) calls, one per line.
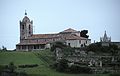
point(42, 58)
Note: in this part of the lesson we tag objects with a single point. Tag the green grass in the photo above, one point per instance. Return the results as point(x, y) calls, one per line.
point(42, 58)
point(18, 58)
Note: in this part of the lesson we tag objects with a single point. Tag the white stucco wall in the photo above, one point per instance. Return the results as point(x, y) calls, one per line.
point(78, 43)
point(86, 42)
point(73, 43)
point(47, 46)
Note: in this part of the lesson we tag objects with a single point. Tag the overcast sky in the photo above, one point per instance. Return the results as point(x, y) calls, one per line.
point(52, 16)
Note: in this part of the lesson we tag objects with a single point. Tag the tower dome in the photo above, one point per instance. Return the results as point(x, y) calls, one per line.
point(26, 19)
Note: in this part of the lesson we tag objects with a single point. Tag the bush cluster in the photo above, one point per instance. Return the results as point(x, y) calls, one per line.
point(62, 66)
point(115, 74)
point(10, 70)
point(80, 69)
point(28, 66)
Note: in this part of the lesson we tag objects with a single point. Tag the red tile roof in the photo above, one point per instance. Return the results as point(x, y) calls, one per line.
point(73, 37)
point(43, 36)
point(69, 30)
point(32, 43)
point(46, 38)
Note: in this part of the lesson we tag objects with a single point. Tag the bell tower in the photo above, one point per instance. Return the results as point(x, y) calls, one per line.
point(26, 27)
point(105, 38)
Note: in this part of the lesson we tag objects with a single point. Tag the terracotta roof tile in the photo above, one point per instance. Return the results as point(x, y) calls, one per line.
point(32, 43)
point(73, 37)
point(62, 36)
point(36, 39)
point(43, 36)
point(69, 30)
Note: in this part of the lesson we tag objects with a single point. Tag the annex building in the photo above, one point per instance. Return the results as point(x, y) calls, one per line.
point(30, 41)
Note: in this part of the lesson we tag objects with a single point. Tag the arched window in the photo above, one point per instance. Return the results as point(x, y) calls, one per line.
point(23, 27)
point(68, 44)
point(29, 32)
point(29, 27)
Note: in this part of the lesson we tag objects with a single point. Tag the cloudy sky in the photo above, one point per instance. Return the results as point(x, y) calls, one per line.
point(52, 16)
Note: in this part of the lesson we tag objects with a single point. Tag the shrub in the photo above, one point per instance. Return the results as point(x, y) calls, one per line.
point(11, 67)
point(62, 65)
point(28, 66)
point(1, 69)
point(80, 69)
point(115, 74)
point(54, 65)
point(22, 73)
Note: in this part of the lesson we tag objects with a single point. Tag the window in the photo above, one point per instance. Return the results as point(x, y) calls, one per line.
point(84, 45)
point(42, 46)
point(25, 20)
point(23, 47)
point(29, 27)
point(81, 45)
point(29, 32)
point(68, 44)
point(23, 27)
point(79, 41)
point(34, 47)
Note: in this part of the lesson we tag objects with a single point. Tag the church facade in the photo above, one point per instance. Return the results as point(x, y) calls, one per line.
point(30, 41)
point(106, 41)
point(105, 38)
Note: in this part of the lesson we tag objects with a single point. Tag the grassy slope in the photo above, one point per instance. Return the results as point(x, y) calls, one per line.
point(42, 58)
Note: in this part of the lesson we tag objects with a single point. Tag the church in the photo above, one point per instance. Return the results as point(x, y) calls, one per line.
point(30, 41)
point(106, 41)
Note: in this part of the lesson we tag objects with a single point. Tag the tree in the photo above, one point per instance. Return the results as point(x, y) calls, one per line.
point(83, 33)
point(114, 51)
point(95, 47)
point(62, 65)
point(9, 70)
point(80, 69)
point(57, 44)
point(68, 51)
point(11, 67)
point(22, 73)
point(4, 48)
point(61, 48)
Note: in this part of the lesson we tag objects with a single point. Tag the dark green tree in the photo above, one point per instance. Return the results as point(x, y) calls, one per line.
point(95, 47)
point(11, 67)
point(4, 48)
point(83, 33)
point(62, 65)
point(114, 51)
point(57, 44)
